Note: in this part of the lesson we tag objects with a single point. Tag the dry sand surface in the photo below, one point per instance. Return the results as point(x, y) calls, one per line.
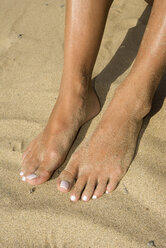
point(31, 60)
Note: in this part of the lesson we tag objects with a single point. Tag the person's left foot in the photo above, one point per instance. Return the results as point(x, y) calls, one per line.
point(99, 166)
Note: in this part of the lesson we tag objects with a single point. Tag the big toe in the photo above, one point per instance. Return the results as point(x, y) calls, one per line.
point(66, 179)
point(40, 176)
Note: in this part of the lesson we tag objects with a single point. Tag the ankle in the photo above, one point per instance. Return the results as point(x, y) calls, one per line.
point(138, 105)
point(77, 85)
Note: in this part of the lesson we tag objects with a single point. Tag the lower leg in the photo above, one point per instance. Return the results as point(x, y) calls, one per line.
point(85, 22)
point(150, 62)
point(100, 165)
point(77, 101)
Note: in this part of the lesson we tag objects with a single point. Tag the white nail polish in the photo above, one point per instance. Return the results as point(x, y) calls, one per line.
point(64, 184)
point(21, 173)
point(72, 198)
point(32, 176)
point(23, 179)
point(84, 198)
point(107, 192)
point(94, 197)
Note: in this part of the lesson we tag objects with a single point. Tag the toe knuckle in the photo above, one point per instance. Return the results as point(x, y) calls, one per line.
point(119, 171)
point(68, 173)
point(44, 173)
point(53, 154)
point(30, 168)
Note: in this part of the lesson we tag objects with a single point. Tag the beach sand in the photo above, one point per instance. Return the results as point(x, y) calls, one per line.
point(31, 62)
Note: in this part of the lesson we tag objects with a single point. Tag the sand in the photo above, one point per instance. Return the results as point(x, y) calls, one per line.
point(31, 52)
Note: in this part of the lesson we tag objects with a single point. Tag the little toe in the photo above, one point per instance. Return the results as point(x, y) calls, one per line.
point(89, 190)
point(100, 189)
point(78, 188)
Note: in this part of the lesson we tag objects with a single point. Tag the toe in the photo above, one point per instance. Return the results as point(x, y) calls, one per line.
point(89, 189)
point(100, 189)
point(66, 179)
point(41, 175)
point(78, 188)
point(112, 185)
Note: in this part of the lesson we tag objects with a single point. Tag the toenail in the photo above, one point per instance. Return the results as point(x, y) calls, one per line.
point(21, 173)
point(32, 176)
point(84, 198)
point(72, 198)
point(23, 179)
point(64, 184)
point(107, 192)
point(94, 197)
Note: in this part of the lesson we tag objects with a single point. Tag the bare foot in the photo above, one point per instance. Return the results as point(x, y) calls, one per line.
point(99, 166)
point(75, 105)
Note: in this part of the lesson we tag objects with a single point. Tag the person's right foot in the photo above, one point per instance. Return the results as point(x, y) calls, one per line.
point(99, 166)
point(47, 152)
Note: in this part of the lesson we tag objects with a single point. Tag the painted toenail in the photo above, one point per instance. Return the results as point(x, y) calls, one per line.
point(107, 192)
point(64, 184)
point(32, 176)
point(94, 197)
point(23, 179)
point(84, 198)
point(72, 198)
point(21, 173)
